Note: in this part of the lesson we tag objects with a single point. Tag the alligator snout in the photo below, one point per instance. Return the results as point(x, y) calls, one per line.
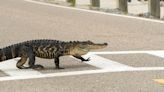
point(105, 43)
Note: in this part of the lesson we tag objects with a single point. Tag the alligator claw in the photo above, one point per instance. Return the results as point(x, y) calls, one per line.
point(88, 59)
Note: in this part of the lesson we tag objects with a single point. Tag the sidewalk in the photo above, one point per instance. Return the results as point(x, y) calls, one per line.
point(134, 8)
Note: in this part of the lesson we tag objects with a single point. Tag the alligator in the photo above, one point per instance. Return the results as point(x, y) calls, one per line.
point(48, 49)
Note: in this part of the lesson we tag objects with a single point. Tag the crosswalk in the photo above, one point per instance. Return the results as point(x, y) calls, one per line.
point(103, 65)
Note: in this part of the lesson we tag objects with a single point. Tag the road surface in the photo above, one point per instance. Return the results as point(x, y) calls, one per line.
point(132, 61)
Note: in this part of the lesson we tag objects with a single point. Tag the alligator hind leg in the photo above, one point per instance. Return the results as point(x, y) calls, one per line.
point(21, 62)
point(27, 52)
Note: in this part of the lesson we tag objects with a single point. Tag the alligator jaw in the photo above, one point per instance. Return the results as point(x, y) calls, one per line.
point(97, 46)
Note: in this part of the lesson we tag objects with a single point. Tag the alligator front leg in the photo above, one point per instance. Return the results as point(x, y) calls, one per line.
point(56, 61)
point(81, 58)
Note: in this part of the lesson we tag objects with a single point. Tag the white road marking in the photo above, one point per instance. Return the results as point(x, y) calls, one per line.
point(159, 53)
point(104, 63)
point(77, 73)
point(98, 12)
point(129, 52)
point(9, 67)
point(52, 75)
point(97, 61)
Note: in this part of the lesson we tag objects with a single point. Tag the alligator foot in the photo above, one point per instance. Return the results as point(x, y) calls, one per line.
point(23, 67)
point(37, 67)
point(59, 68)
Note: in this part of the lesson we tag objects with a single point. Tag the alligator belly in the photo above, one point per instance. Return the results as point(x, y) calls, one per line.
point(45, 55)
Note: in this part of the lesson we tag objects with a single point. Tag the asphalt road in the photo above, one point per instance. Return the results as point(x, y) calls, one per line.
point(21, 20)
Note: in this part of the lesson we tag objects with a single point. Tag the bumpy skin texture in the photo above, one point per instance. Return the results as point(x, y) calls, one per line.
point(45, 48)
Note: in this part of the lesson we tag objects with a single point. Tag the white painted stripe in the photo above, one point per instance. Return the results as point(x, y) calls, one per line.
point(128, 52)
point(147, 69)
point(52, 75)
point(78, 73)
point(98, 12)
point(9, 67)
point(159, 53)
point(104, 63)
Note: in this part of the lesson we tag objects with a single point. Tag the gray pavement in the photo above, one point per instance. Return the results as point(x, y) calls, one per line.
point(21, 20)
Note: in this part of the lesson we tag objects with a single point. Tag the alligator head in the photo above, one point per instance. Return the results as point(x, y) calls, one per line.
point(81, 48)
